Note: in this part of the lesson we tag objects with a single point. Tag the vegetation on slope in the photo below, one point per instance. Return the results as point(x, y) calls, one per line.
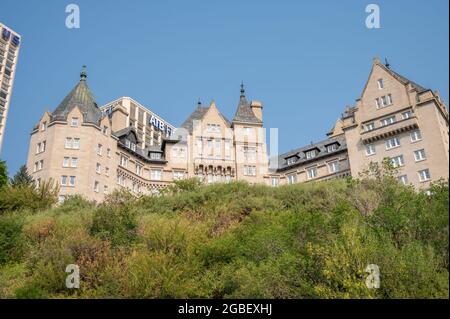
point(234, 240)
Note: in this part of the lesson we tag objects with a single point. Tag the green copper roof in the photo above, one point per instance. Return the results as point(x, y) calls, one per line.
point(82, 97)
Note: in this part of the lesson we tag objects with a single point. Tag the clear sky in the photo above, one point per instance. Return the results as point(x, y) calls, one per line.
point(305, 60)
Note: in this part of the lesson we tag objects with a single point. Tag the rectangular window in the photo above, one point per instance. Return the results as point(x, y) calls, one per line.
point(331, 148)
point(370, 127)
point(312, 173)
point(107, 171)
point(199, 143)
point(213, 128)
point(384, 101)
point(380, 84)
point(38, 148)
point(311, 154)
point(66, 162)
point(72, 181)
point(108, 152)
point(292, 178)
point(333, 167)
point(420, 155)
point(105, 189)
point(291, 160)
point(406, 115)
point(370, 149)
point(155, 156)
point(389, 99)
point(392, 143)
point(387, 121)
point(64, 180)
point(43, 126)
point(248, 131)
point(249, 170)
point(155, 174)
point(74, 162)
point(68, 143)
point(397, 161)
point(123, 161)
point(178, 175)
point(275, 181)
point(98, 168)
point(424, 175)
point(403, 179)
point(74, 122)
point(377, 103)
point(96, 186)
point(138, 169)
point(99, 149)
point(416, 136)
point(76, 143)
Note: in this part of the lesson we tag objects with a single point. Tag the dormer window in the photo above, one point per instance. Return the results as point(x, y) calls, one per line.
point(74, 122)
point(130, 145)
point(311, 154)
point(291, 160)
point(155, 156)
point(332, 148)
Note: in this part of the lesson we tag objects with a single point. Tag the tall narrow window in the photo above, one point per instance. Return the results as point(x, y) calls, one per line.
point(380, 84)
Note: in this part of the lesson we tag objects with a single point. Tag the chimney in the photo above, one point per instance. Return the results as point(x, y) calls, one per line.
point(257, 107)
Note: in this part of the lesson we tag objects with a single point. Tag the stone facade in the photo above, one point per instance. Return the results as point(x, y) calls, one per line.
point(91, 151)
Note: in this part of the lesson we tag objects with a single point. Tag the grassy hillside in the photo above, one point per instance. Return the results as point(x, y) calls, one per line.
point(233, 240)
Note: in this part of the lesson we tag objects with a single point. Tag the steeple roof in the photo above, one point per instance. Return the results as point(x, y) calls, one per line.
point(80, 97)
point(244, 113)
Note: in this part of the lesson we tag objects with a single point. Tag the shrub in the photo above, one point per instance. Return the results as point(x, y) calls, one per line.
point(12, 240)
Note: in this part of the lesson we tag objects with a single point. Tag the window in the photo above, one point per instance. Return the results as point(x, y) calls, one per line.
point(406, 115)
point(199, 144)
point(275, 181)
point(138, 169)
point(72, 181)
point(420, 155)
point(389, 99)
point(311, 172)
point(74, 162)
point(39, 165)
point(213, 128)
point(291, 160)
point(333, 167)
point(416, 136)
point(121, 180)
point(424, 175)
point(43, 126)
point(64, 180)
point(249, 170)
point(218, 148)
point(155, 156)
point(403, 179)
point(380, 84)
point(292, 178)
point(43, 145)
point(311, 154)
point(66, 162)
point(123, 161)
point(178, 175)
point(250, 153)
point(370, 126)
point(96, 186)
point(98, 168)
point(331, 148)
point(76, 143)
point(105, 189)
point(387, 121)
point(385, 100)
point(108, 152)
point(107, 171)
point(397, 161)
point(370, 149)
point(155, 174)
point(377, 103)
point(99, 149)
point(392, 143)
point(68, 143)
point(74, 122)
point(227, 149)
point(61, 199)
point(105, 130)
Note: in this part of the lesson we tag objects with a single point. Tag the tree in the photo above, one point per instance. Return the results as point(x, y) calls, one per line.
point(22, 178)
point(3, 174)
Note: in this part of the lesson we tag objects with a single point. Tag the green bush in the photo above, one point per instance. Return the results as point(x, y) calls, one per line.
point(12, 240)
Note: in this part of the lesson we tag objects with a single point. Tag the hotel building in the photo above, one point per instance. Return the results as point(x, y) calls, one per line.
point(92, 150)
point(9, 52)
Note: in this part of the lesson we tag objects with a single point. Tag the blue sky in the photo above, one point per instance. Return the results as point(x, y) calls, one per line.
point(305, 60)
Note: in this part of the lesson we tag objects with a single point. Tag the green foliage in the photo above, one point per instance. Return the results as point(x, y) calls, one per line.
point(235, 240)
point(22, 178)
point(28, 197)
point(115, 219)
point(3, 174)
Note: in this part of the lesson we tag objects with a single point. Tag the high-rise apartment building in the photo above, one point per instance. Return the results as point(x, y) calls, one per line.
point(9, 52)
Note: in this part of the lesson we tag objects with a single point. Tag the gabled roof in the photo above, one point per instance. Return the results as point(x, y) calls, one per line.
point(80, 97)
point(405, 81)
point(244, 112)
point(197, 115)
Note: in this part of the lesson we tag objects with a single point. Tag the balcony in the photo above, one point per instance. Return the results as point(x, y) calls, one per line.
point(389, 130)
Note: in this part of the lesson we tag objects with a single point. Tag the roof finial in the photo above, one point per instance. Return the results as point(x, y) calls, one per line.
point(386, 63)
point(242, 89)
point(83, 74)
point(199, 103)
